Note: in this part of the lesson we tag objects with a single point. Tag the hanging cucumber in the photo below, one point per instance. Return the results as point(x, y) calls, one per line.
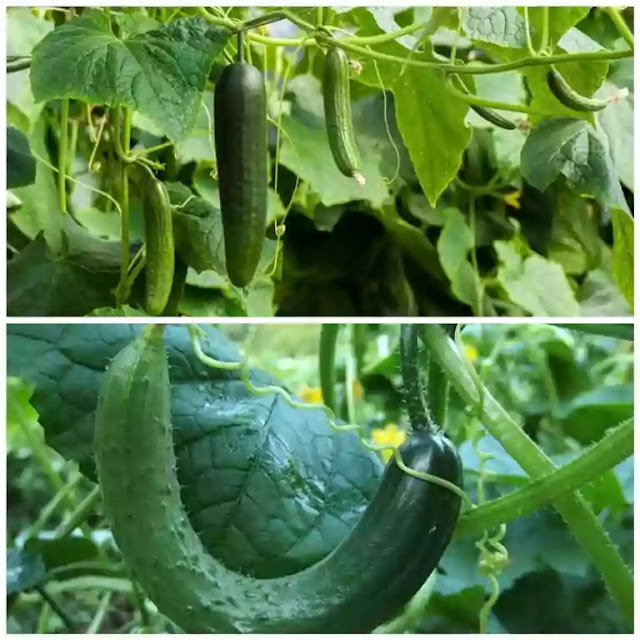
point(484, 112)
point(240, 112)
point(337, 114)
point(377, 568)
point(568, 96)
point(160, 251)
point(493, 117)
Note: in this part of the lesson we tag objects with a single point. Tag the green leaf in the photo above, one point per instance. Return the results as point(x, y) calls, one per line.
point(600, 297)
point(454, 244)
point(161, 73)
point(59, 552)
point(502, 26)
point(41, 282)
point(537, 285)
point(622, 257)
point(575, 240)
point(197, 227)
point(24, 30)
point(21, 165)
point(432, 124)
point(199, 145)
point(573, 148)
point(587, 416)
point(40, 209)
point(24, 570)
point(561, 19)
point(269, 488)
point(617, 123)
point(430, 120)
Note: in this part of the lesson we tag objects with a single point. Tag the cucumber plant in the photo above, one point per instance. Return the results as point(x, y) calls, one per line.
point(232, 101)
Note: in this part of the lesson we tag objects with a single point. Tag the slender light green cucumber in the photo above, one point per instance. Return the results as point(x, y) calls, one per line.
point(160, 250)
point(493, 117)
point(337, 114)
point(568, 96)
point(367, 579)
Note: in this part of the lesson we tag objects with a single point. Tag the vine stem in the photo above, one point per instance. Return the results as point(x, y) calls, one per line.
point(78, 517)
point(327, 355)
point(527, 31)
point(574, 509)
point(475, 100)
point(351, 43)
point(544, 37)
point(62, 153)
point(531, 61)
point(437, 393)
point(103, 607)
point(66, 620)
point(50, 508)
point(387, 37)
point(621, 25)
point(613, 448)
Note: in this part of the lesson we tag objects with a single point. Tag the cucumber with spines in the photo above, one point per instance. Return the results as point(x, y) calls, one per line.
point(366, 580)
point(337, 114)
point(569, 97)
point(160, 245)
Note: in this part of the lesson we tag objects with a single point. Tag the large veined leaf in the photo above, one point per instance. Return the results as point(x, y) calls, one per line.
point(270, 489)
point(161, 73)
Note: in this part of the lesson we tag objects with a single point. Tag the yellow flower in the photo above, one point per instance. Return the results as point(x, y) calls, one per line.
point(513, 199)
point(471, 352)
point(390, 434)
point(312, 395)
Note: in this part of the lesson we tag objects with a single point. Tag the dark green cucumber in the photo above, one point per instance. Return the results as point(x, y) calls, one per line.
point(367, 579)
point(160, 250)
point(493, 117)
point(337, 114)
point(484, 112)
point(240, 111)
point(568, 96)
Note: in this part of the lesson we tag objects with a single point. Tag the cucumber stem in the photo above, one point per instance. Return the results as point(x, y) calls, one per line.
point(328, 339)
point(574, 509)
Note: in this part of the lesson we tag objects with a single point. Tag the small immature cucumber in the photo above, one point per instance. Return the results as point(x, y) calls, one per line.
point(569, 97)
point(493, 117)
point(240, 112)
point(367, 579)
point(160, 251)
point(337, 114)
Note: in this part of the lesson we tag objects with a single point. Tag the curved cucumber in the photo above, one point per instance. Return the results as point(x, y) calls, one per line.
point(377, 568)
point(337, 114)
point(160, 250)
point(240, 112)
point(568, 96)
point(493, 117)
